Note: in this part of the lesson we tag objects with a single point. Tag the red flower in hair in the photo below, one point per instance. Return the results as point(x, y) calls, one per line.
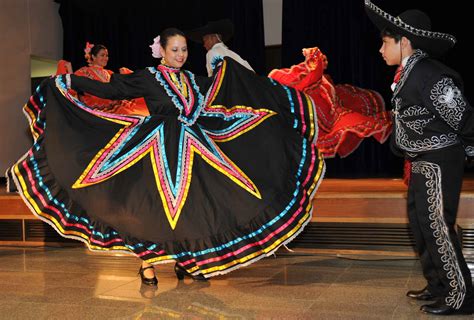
point(87, 51)
point(88, 47)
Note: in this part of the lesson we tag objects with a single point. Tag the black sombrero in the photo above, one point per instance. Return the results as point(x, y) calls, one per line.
point(223, 27)
point(413, 24)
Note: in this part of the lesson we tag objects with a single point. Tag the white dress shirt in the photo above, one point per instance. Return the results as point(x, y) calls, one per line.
point(220, 49)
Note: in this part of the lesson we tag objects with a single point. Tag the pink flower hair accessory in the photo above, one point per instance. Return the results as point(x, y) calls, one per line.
point(87, 51)
point(155, 48)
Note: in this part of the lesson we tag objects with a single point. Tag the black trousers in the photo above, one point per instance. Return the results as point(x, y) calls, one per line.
point(433, 198)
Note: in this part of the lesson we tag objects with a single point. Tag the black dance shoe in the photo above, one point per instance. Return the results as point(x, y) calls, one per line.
point(181, 273)
point(148, 281)
point(440, 308)
point(423, 294)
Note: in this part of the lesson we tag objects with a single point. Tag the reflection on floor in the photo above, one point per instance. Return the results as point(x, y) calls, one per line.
point(73, 283)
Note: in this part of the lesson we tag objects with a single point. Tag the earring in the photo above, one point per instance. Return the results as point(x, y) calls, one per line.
point(163, 61)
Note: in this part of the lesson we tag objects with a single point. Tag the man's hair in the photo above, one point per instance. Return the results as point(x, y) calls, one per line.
point(387, 32)
point(217, 35)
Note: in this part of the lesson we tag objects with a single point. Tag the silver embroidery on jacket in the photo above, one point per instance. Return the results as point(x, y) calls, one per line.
point(432, 173)
point(414, 111)
point(448, 101)
point(418, 124)
point(469, 151)
point(418, 145)
point(414, 58)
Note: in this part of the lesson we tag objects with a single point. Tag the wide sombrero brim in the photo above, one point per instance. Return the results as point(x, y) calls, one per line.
point(223, 27)
point(434, 43)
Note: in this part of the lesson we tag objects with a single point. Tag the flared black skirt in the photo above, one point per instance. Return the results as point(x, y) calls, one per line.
point(214, 195)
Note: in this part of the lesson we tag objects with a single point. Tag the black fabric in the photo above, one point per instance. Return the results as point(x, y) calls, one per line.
point(432, 217)
point(223, 27)
point(351, 42)
point(127, 28)
point(215, 178)
point(430, 110)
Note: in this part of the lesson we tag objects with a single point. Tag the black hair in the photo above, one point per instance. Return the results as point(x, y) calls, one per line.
point(96, 48)
point(168, 33)
point(387, 32)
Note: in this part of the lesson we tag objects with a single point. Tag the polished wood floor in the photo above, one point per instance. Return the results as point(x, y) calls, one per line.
point(73, 283)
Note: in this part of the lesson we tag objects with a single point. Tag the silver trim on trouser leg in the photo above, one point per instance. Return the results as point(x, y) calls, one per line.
point(432, 173)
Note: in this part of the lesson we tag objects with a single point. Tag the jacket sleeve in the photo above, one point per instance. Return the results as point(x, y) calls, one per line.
point(120, 87)
point(443, 95)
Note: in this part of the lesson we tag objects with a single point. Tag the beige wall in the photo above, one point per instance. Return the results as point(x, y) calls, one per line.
point(27, 27)
point(272, 19)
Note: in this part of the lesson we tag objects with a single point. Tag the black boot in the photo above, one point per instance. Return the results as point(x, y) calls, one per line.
point(440, 308)
point(423, 294)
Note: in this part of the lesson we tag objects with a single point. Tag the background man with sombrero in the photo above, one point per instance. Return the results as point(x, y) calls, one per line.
point(434, 130)
point(212, 36)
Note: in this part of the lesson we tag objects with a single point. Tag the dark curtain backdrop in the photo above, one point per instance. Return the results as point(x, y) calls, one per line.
point(127, 28)
point(341, 29)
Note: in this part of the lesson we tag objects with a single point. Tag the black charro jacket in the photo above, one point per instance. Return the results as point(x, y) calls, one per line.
point(430, 111)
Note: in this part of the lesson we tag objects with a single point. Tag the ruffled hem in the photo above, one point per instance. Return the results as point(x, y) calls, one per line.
point(275, 226)
point(210, 257)
point(346, 114)
point(344, 141)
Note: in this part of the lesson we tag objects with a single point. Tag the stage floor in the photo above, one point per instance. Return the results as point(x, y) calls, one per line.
point(73, 283)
